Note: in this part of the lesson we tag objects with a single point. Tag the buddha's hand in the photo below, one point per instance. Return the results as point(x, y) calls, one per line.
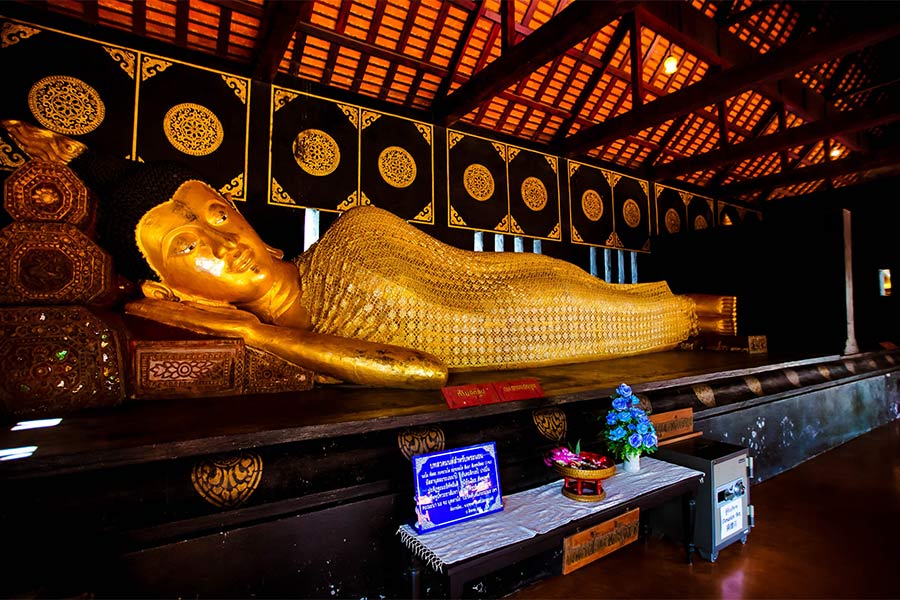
point(210, 320)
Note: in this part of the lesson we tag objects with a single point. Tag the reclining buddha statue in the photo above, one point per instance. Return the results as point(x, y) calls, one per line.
point(374, 301)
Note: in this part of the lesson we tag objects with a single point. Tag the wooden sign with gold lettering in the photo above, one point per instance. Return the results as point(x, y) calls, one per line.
point(673, 423)
point(598, 541)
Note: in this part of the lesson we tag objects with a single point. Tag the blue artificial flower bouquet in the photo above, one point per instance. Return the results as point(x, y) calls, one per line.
point(629, 432)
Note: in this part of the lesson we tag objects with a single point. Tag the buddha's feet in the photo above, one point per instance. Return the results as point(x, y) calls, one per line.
point(716, 314)
point(43, 144)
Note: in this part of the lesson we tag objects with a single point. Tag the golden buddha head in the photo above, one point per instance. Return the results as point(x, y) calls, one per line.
point(201, 247)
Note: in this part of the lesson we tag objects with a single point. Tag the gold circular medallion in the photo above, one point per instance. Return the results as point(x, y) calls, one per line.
point(592, 205)
point(673, 221)
point(534, 194)
point(316, 152)
point(479, 182)
point(632, 213)
point(700, 223)
point(66, 105)
point(397, 167)
point(193, 129)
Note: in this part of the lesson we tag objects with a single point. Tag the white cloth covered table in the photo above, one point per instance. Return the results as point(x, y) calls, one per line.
point(534, 512)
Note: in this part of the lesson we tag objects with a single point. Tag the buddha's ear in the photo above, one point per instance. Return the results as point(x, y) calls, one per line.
point(158, 291)
point(279, 254)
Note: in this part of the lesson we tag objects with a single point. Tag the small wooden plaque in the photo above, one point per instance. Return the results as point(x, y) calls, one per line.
point(598, 541)
point(474, 394)
point(673, 423)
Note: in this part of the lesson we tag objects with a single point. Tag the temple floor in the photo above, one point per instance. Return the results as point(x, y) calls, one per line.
point(827, 528)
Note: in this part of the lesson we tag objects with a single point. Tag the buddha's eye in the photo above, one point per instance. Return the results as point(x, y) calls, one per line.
point(183, 244)
point(217, 215)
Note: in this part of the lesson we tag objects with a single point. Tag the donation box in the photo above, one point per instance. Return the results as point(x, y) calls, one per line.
point(724, 512)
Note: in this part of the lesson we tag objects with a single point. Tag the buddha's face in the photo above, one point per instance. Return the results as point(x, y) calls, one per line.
point(200, 245)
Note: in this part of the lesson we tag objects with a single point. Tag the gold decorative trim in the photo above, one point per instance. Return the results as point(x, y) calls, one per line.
point(279, 196)
point(592, 204)
point(351, 112)
point(501, 150)
point(420, 440)
point(534, 194)
point(503, 225)
point(426, 131)
point(632, 213)
point(125, 59)
point(550, 423)
point(646, 246)
point(234, 189)
point(705, 395)
point(453, 137)
point(614, 241)
point(152, 66)
point(354, 200)
point(700, 223)
point(363, 199)
point(513, 226)
point(823, 371)
point(227, 481)
point(281, 98)
point(754, 384)
point(644, 186)
point(673, 221)
point(316, 152)
point(193, 129)
point(511, 153)
point(556, 234)
point(658, 189)
point(238, 86)
point(576, 237)
point(369, 117)
point(425, 215)
point(611, 178)
point(573, 166)
point(686, 197)
point(397, 167)
point(9, 157)
point(13, 33)
point(478, 182)
point(553, 162)
point(793, 377)
point(455, 219)
point(83, 109)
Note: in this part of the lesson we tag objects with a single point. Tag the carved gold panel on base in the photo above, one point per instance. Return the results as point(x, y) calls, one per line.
point(47, 192)
point(57, 359)
point(52, 263)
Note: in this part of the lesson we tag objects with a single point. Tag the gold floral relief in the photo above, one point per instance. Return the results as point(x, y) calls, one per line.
point(279, 195)
point(613, 241)
point(420, 440)
point(425, 130)
point(576, 237)
point(551, 423)
point(453, 138)
point(369, 117)
point(66, 105)
point(227, 481)
point(425, 215)
point(573, 166)
point(151, 67)
point(556, 233)
point(281, 98)
point(673, 221)
point(534, 194)
point(238, 86)
point(700, 223)
point(553, 162)
point(125, 59)
point(9, 157)
point(611, 178)
point(632, 213)
point(502, 150)
point(455, 219)
point(514, 227)
point(478, 182)
point(685, 197)
point(705, 395)
point(316, 152)
point(193, 129)
point(13, 33)
point(592, 205)
point(352, 114)
point(234, 188)
point(397, 167)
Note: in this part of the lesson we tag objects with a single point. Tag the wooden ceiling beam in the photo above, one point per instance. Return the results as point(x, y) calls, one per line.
point(886, 158)
point(775, 64)
point(847, 122)
point(572, 25)
point(461, 44)
point(701, 35)
point(277, 27)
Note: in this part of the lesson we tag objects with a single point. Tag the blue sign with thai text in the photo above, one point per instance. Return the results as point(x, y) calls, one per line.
point(456, 485)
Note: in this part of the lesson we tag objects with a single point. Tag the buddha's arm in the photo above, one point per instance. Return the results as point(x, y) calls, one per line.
point(355, 361)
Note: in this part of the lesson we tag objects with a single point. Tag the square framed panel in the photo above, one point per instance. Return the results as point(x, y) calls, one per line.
point(476, 183)
point(534, 204)
point(590, 205)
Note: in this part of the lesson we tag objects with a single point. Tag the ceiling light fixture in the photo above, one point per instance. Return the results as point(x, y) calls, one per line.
point(670, 65)
point(835, 153)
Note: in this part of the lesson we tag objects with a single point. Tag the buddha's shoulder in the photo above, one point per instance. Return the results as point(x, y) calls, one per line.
point(369, 218)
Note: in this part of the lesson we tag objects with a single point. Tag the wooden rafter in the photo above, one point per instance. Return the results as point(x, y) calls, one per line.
point(776, 64)
point(276, 30)
point(863, 118)
point(575, 23)
point(459, 49)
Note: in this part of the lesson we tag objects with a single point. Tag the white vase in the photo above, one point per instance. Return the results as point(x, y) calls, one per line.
point(632, 464)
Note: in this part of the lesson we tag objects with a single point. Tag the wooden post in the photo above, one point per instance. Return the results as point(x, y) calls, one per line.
point(850, 347)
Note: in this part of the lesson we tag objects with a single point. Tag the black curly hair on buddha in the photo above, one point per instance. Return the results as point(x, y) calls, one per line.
point(126, 191)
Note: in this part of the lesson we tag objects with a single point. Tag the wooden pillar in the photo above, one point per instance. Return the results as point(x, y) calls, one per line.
point(850, 347)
